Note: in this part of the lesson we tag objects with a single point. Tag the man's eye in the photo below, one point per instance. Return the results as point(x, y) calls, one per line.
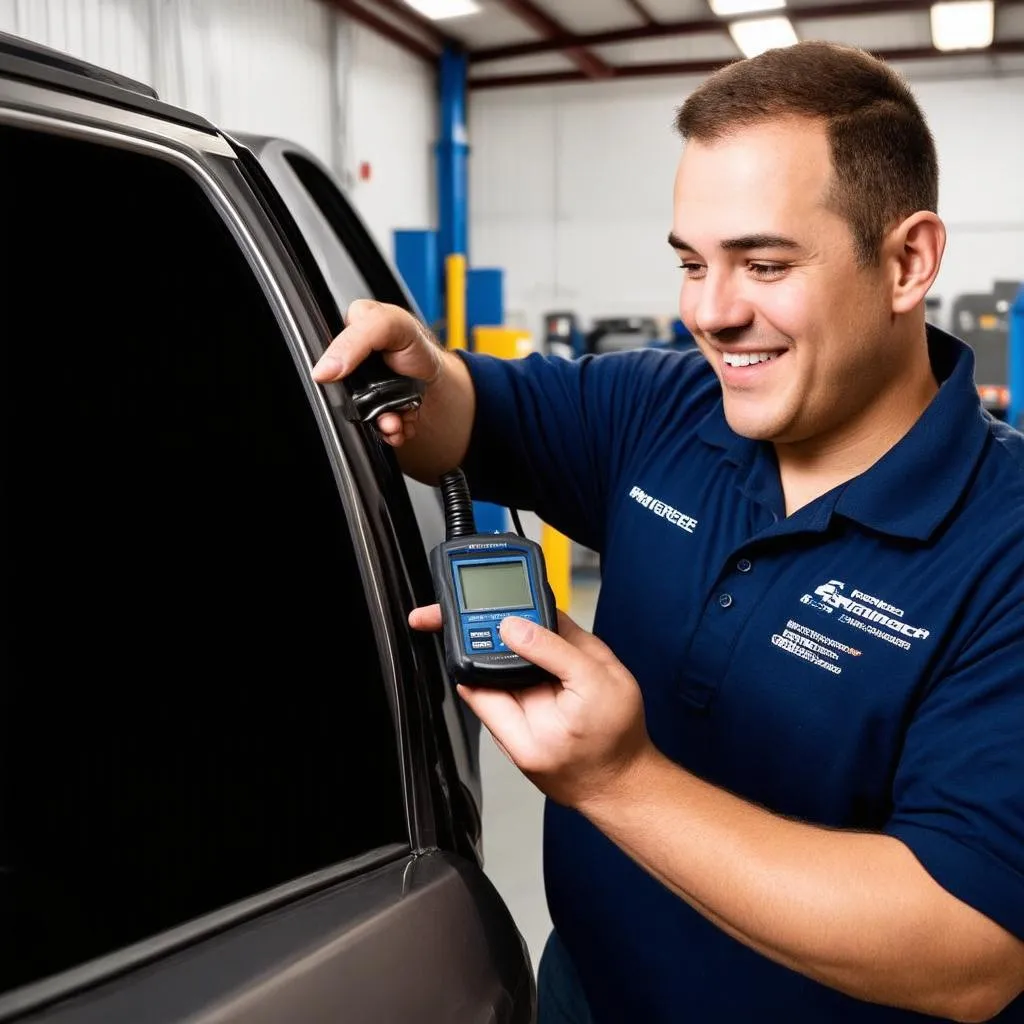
point(693, 269)
point(767, 271)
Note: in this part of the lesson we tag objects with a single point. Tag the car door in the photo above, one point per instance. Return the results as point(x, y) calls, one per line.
point(226, 793)
point(353, 266)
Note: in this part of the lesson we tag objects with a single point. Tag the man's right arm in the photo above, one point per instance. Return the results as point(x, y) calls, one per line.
point(434, 438)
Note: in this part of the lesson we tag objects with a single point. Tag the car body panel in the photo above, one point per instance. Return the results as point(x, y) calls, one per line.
point(333, 950)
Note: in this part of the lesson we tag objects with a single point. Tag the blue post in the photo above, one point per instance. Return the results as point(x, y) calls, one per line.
point(416, 260)
point(1015, 357)
point(485, 297)
point(453, 207)
point(452, 157)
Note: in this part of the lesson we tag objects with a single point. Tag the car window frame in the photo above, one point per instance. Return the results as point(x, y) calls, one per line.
point(378, 275)
point(270, 154)
point(400, 559)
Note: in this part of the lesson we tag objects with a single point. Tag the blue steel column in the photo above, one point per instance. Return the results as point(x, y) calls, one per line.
point(1015, 358)
point(453, 208)
point(452, 158)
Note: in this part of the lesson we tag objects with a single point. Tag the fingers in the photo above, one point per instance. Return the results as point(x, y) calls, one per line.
point(396, 427)
point(369, 326)
point(542, 647)
point(426, 618)
point(504, 717)
point(351, 346)
point(390, 423)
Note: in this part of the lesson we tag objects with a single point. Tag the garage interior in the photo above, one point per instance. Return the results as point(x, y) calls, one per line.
point(514, 159)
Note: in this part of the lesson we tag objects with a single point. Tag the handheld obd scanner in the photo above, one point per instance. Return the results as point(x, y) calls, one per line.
point(480, 579)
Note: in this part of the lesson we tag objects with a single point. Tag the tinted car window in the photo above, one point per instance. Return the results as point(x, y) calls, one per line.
point(192, 707)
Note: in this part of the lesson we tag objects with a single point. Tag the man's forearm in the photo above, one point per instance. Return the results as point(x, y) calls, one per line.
point(444, 425)
point(855, 911)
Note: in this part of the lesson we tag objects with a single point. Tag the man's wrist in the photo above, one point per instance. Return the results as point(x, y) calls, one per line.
point(628, 786)
point(438, 354)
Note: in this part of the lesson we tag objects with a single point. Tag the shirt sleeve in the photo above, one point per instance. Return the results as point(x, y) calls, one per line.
point(551, 435)
point(959, 788)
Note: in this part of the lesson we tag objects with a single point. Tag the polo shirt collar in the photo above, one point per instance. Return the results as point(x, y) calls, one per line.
point(913, 488)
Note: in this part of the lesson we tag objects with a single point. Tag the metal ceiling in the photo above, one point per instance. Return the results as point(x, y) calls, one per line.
point(535, 42)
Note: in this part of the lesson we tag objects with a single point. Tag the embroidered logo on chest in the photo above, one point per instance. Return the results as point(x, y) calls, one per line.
point(665, 511)
point(865, 612)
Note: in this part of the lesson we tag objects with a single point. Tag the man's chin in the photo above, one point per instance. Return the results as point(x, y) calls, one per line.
point(754, 428)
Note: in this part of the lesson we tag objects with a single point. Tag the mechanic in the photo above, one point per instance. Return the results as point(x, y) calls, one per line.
point(787, 783)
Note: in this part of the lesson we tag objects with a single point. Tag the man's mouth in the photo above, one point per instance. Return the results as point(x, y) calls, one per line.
point(748, 358)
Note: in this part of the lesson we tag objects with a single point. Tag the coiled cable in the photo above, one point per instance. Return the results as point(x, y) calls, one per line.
point(458, 505)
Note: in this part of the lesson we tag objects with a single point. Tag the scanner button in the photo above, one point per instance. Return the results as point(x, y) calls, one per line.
point(481, 645)
point(480, 634)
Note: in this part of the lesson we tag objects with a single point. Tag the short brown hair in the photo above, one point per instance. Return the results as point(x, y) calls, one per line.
point(883, 154)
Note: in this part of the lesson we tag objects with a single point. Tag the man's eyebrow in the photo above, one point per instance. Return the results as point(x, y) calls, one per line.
point(759, 242)
point(742, 242)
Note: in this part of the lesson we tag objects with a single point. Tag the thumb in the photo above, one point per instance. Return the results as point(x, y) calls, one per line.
point(542, 647)
point(358, 309)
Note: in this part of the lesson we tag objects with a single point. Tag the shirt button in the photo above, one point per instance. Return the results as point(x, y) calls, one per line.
point(744, 565)
point(725, 600)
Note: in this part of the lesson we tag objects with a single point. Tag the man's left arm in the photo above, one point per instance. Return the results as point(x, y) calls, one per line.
point(860, 912)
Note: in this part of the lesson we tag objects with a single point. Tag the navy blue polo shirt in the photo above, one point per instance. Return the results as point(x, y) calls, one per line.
point(858, 664)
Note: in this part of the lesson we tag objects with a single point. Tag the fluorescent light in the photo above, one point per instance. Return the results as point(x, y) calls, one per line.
point(728, 8)
point(438, 10)
point(966, 25)
point(760, 34)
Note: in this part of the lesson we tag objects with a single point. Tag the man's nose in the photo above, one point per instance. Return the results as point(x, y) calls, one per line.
point(721, 305)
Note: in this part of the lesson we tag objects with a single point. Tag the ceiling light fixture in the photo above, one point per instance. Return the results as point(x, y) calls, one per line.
point(439, 10)
point(730, 8)
point(760, 34)
point(963, 25)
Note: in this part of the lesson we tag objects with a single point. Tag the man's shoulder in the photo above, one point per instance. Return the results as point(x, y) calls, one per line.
point(681, 368)
point(1001, 473)
point(986, 534)
point(669, 383)
point(1008, 445)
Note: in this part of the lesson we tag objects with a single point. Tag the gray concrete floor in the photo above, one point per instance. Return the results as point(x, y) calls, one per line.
point(513, 816)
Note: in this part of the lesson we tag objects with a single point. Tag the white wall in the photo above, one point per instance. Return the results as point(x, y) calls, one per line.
point(112, 33)
point(977, 127)
point(278, 67)
point(255, 65)
point(392, 116)
point(570, 191)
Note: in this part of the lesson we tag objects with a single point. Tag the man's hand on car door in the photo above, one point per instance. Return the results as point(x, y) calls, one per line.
point(405, 344)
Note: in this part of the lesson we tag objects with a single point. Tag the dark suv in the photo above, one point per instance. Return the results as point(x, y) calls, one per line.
point(235, 787)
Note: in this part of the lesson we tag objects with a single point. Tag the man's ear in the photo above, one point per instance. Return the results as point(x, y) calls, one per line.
point(914, 250)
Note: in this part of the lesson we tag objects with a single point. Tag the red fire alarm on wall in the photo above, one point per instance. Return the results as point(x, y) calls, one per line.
point(365, 170)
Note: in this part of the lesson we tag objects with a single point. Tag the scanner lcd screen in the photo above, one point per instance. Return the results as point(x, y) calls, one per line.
point(495, 585)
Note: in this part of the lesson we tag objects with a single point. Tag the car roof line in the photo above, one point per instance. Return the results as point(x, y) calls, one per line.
point(23, 59)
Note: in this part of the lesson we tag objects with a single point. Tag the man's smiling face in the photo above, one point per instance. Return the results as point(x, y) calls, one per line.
point(798, 332)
